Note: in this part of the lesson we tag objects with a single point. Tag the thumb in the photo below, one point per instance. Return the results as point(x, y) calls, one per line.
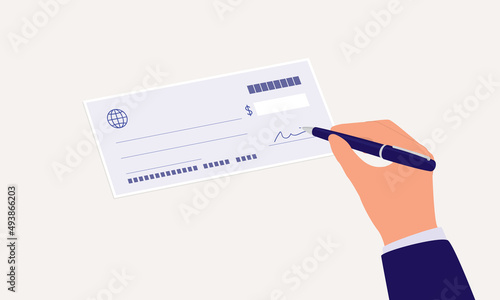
point(348, 159)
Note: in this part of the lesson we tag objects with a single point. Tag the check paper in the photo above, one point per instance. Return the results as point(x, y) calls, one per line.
point(209, 128)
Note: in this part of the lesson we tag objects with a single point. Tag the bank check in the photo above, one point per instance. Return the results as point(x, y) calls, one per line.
point(209, 128)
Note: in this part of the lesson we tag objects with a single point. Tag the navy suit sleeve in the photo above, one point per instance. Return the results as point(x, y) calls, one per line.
point(425, 271)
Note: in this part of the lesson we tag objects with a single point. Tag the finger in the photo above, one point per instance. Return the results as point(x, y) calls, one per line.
point(372, 130)
point(391, 125)
point(351, 163)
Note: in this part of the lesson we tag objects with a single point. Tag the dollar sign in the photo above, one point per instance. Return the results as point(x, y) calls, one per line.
point(250, 112)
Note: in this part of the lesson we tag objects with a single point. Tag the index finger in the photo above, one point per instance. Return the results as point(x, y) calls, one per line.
point(385, 132)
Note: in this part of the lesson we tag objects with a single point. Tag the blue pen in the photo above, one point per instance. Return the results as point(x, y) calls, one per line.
point(387, 152)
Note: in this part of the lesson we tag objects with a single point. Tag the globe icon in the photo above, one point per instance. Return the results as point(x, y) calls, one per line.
point(117, 118)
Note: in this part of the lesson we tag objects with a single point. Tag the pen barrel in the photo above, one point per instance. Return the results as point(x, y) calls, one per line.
point(408, 159)
point(388, 152)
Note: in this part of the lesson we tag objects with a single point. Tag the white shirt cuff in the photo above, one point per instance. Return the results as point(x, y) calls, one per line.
point(424, 236)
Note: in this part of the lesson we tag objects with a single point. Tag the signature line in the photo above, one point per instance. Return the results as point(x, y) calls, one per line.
point(311, 137)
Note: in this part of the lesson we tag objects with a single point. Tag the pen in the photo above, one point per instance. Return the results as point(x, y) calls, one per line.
point(391, 153)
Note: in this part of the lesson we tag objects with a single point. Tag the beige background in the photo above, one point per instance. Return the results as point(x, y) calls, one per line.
point(74, 235)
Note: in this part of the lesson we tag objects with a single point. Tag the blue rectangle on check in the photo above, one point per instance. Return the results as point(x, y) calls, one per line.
point(221, 162)
point(173, 172)
point(238, 159)
point(146, 177)
point(254, 156)
point(277, 84)
point(162, 174)
point(264, 86)
point(290, 81)
point(257, 88)
point(243, 158)
point(296, 79)
point(251, 90)
point(179, 171)
point(283, 83)
point(130, 180)
point(249, 157)
point(195, 168)
point(190, 169)
point(168, 173)
point(270, 84)
point(135, 179)
point(211, 165)
point(227, 161)
point(216, 163)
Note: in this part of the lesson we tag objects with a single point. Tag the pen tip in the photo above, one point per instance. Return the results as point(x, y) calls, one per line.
point(307, 129)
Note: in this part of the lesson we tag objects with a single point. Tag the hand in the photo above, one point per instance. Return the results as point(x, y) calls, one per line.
point(398, 199)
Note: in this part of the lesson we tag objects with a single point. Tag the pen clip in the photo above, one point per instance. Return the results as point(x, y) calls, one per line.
point(412, 152)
